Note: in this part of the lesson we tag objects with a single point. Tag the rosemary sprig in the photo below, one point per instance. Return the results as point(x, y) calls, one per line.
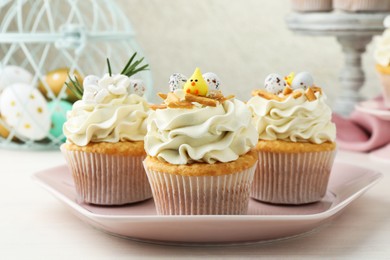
point(129, 70)
point(128, 63)
point(75, 87)
point(131, 67)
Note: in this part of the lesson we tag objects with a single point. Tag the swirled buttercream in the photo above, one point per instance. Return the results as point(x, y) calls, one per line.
point(201, 134)
point(382, 50)
point(293, 119)
point(107, 113)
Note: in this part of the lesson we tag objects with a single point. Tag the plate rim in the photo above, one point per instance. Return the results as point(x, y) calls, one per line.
point(376, 176)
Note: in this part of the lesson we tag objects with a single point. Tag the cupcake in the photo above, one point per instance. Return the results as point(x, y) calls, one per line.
point(382, 59)
point(105, 131)
point(311, 5)
point(296, 140)
point(198, 144)
point(362, 5)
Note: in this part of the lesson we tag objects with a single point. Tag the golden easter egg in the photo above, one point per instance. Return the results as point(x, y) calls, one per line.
point(3, 131)
point(55, 80)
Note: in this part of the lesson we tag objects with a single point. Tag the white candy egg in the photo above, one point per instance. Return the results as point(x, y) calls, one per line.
point(302, 80)
point(137, 86)
point(176, 81)
point(212, 80)
point(274, 83)
point(91, 80)
point(14, 74)
point(25, 109)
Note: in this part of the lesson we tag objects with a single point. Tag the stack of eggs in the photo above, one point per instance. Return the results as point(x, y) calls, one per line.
point(33, 109)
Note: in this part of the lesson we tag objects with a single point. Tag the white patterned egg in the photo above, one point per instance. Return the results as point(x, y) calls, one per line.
point(176, 81)
point(14, 74)
point(302, 80)
point(274, 83)
point(137, 86)
point(213, 81)
point(25, 109)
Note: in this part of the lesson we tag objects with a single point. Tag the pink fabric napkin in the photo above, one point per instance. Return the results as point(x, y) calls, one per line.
point(361, 132)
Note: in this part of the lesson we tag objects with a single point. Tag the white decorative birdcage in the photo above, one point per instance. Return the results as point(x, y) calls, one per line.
point(41, 43)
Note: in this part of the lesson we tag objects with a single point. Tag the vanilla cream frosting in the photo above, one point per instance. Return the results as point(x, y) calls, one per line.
point(107, 113)
point(201, 134)
point(382, 50)
point(294, 119)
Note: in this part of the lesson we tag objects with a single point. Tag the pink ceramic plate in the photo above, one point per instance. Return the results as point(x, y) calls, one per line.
point(264, 222)
point(374, 107)
point(382, 154)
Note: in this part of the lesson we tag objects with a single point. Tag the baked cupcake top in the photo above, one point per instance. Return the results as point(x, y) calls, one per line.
point(382, 50)
point(196, 123)
point(111, 109)
point(292, 109)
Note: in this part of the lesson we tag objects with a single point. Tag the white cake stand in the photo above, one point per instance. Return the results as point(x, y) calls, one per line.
point(353, 31)
point(377, 108)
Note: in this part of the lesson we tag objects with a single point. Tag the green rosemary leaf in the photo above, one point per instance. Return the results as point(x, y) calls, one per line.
point(75, 87)
point(131, 67)
point(145, 67)
point(130, 70)
point(79, 86)
point(74, 90)
point(109, 67)
point(128, 63)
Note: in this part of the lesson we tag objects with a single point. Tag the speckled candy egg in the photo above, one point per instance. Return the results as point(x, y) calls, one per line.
point(274, 83)
point(212, 80)
point(176, 81)
point(55, 80)
point(14, 74)
point(25, 109)
point(58, 110)
point(137, 86)
point(302, 80)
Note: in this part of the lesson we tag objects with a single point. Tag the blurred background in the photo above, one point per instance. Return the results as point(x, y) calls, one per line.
point(241, 41)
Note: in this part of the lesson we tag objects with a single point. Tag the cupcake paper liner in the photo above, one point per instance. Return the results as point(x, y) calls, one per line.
point(292, 178)
point(311, 5)
point(385, 82)
point(201, 195)
point(105, 179)
point(362, 5)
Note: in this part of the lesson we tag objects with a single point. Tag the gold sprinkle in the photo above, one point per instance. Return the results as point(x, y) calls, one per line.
point(27, 126)
point(13, 103)
point(32, 96)
point(296, 94)
point(162, 95)
point(310, 95)
point(155, 107)
point(287, 90)
point(267, 95)
point(40, 110)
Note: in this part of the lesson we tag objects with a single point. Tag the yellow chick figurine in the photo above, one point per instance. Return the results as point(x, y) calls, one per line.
point(289, 78)
point(196, 84)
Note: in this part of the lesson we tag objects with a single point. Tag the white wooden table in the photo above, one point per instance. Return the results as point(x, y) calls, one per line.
point(35, 225)
point(353, 31)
